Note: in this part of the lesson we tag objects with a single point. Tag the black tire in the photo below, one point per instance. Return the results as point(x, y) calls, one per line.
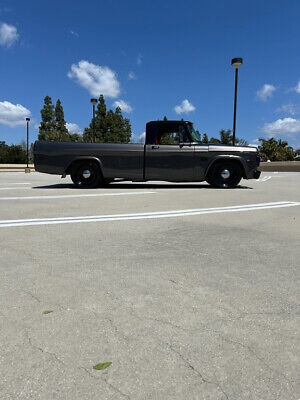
point(86, 174)
point(225, 174)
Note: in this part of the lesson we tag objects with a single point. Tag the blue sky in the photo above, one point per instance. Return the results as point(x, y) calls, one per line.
point(152, 56)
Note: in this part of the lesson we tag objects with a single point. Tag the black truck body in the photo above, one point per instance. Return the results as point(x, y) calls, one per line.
point(170, 153)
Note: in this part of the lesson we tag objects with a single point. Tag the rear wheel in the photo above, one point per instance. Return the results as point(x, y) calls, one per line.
point(86, 174)
point(225, 174)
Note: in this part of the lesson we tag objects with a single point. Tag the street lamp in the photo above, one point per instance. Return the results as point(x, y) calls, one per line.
point(236, 63)
point(27, 169)
point(94, 102)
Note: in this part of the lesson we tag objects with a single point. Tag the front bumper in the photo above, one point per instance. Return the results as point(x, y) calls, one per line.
point(256, 174)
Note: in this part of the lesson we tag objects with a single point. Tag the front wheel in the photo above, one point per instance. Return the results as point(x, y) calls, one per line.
point(224, 174)
point(86, 175)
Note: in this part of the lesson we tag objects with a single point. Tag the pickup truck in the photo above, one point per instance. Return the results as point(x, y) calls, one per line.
point(172, 152)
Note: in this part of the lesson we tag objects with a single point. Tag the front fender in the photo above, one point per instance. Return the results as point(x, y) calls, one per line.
point(228, 157)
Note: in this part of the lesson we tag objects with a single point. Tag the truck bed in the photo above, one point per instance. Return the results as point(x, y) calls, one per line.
point(117, 160)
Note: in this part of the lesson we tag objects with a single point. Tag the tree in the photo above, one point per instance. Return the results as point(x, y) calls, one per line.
point(205, 138)
point(225, 136)
point(47, 124)
point(110, 126)
point(165, 118)
point(60, 131)
point(13, 154)
point(199, 134)
point(274, 150)
point(214, 140)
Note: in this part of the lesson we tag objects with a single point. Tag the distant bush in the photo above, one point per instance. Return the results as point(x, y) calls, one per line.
point(14, 154)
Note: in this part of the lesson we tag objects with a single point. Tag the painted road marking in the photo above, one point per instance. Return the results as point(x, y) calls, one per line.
point(16, 183)
point(14, 188)
point(264, 179)
point(148, 215)
point(64, 196)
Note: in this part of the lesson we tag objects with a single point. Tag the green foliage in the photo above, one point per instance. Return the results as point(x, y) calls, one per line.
point(102, 366)
point(275, 150)
point(47, 124)
point(60, 129)
point(225, 138)
point(53, 124)
point(198, 133)
point(110, 126)
point(47, 312)
point(14, 154)
point(205, 138)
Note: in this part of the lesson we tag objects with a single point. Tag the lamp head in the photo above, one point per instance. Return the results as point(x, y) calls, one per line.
point(94, 101)
point(27, 119)
point(236, 62)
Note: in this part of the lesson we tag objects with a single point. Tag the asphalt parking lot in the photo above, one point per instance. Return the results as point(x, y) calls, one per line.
point(190, 292)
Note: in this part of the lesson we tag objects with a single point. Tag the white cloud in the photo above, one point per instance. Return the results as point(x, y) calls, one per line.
point(266, 92)
point(74, 33)
point(125, 107)
point(287, 127)
point(73, 128)
point(184, 108)
point(138, 138)
point(131, 76)
point(139, 59)
point(297, 88)
point(142, 137)
point(13, 114)
point(290, 108)
point(95, 78)
point(8, 34)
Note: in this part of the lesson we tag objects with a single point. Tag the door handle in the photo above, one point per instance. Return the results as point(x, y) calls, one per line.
point(155, 147)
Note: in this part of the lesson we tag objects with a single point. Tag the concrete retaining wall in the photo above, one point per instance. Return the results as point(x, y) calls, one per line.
point(280, 166)
point(15, 167)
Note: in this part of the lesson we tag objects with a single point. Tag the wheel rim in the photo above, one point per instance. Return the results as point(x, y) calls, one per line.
point(86, 175)
point(227, 175)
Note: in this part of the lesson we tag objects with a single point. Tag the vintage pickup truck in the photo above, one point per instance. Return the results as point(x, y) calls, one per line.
point(172, 152)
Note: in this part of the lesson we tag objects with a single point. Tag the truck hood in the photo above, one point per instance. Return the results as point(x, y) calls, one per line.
point(224, 147)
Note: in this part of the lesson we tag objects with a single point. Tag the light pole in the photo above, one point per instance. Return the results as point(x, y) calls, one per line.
point(94, 102)
point(27, 169)
point(236, 63)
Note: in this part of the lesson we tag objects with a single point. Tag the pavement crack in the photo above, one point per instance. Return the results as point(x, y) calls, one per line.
point(162, 321)
point(33, 296)
point(259, 358)
point(102, 378)
point(34, 346)
point(191, 367)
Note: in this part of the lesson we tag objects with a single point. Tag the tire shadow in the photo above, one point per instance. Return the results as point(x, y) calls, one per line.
point(143, 185)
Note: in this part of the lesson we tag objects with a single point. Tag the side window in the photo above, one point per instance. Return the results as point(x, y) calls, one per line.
point(169, 137)
point(184, 136)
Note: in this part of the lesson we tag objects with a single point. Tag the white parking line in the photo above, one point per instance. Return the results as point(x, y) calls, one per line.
point(149, 215)
point(264, 179)
point(68, 196)
point(16, 183)
point(14, 188)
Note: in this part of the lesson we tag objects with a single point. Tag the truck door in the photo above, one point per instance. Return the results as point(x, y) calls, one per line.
point(171, 156)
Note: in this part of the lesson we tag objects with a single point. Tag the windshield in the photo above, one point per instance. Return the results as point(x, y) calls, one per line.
point(195, 135)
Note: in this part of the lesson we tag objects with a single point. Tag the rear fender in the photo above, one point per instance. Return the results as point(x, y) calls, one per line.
point(83, 158)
